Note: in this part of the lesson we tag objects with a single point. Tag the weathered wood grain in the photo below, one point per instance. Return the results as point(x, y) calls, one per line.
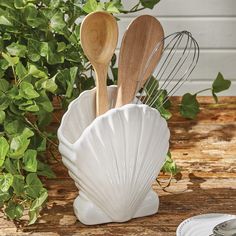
point(205, 149)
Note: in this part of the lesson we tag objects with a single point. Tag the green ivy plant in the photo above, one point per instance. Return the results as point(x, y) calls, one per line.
point(41, 60)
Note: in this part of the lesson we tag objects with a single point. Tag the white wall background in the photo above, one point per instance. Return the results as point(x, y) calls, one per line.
point(212, 23)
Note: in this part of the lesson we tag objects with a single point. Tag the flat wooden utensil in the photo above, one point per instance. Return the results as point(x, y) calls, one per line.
point(139, 41)
point(99, 35)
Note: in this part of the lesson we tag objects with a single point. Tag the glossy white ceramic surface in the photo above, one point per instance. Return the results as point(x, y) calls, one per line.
point(201, 225)
point(113, 159)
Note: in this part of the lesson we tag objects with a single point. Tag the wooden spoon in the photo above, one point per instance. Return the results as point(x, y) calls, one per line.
point(139, 41)
point(99, 35)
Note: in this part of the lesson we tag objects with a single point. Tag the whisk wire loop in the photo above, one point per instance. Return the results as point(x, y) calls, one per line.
point(179, 58)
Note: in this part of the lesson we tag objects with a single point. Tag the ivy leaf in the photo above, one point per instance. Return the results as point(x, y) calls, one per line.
point(68, 76)
point(72, 55)
point(44, 118)
point(170, 166)
point(49, 85)
point(10, 166)
point(13, 93)
point(61, 46)
point(18, 184)
point(112, 7)
point(189, 107)
point(4, 196)
point(36, 72)
point(33, 18)
point(54, 4)
point(57, 22)
point(1, 71)
point(16, 49)
point(27, 133)
point(6, 181)
point(4, 147)
point(7, 4)
point(21, 72)
point(53, 57)
point(5, 21)
point(36, 207)
point(19, 144)
point(4, 64)
point(34, 185)
point(14, 210)
point(4, 102)
point(11, 60)
point(19, 4)
point(39, 143)
point(34, 50)
point(6, 36)
point(27, 90)
point(2, 118)
point(45, 170)
point(165, 113)
point(220, 84)
point(90, 6)
point(44, 102)
point(30, 161)
point(149, 3)
point(43, 47)
point(40, 200)
point(33, 215)
point(29, 106)
point(13, 126)
point(4, 85)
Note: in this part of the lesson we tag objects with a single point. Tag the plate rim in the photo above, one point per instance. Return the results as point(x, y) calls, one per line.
point(183, 223)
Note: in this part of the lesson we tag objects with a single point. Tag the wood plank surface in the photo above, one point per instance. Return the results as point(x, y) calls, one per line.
point(205, 149)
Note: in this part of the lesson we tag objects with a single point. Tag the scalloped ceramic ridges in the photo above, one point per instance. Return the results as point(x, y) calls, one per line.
point(113, 159)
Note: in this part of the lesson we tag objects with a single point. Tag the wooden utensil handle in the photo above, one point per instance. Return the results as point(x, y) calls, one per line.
point(101, 92)
point(123, 98)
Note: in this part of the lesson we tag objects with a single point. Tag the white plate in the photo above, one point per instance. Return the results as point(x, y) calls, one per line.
point(201, 225)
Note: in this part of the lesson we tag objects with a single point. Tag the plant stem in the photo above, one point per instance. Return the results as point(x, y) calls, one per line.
point(201, 91)
point(40, 132)
point(14, 74)
point(54, 157)
point(168, 182)
point(129, 11)
point(135, 8)
point(18, 167)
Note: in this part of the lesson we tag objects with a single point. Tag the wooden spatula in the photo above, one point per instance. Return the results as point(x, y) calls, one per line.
point(139, 40)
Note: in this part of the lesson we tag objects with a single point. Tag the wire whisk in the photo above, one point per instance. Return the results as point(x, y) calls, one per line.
point(179, 58)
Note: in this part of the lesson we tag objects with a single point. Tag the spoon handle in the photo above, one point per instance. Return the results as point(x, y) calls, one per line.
point(101, 93)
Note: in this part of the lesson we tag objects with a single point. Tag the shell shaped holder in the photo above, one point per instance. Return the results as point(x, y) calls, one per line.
point(113, 159)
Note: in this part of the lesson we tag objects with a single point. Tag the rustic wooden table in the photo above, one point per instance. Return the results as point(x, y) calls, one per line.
point(206, 151)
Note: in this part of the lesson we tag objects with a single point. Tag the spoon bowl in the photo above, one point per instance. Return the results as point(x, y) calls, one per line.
point(137, 44)
point(99, 36)
point(227, 228)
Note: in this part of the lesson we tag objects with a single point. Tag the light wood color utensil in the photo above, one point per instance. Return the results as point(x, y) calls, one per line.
point(137, 44)
point(99, 36)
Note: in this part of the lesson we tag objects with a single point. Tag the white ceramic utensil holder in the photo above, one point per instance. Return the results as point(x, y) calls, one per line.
point(113, 159)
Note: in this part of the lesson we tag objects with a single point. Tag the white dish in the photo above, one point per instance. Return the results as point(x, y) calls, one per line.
point(201, 225)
